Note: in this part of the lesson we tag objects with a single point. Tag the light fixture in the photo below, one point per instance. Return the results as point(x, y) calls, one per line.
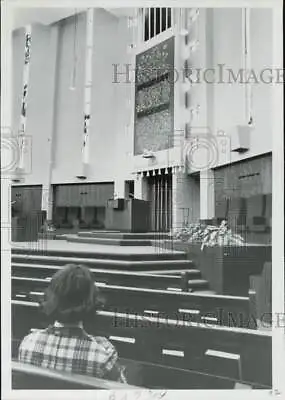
point(184, 32)
point(148, 154)
point(189, 48)
point(240, 138)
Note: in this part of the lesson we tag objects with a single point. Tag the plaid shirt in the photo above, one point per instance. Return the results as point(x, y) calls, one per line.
point(71, 349)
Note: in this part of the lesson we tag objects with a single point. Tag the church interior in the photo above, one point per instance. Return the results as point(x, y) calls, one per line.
point(145, 153)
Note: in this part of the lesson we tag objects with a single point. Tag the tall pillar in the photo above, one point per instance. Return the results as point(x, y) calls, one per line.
point(140, 188)
point(47, 192)
point(185, 200)
point(119, 191)
point(207, 194)
point(47, 201)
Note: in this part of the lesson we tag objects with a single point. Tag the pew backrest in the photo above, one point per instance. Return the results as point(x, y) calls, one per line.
point(241, 354)
point(260, 295)
point(107, 276)
point(25, 376)
point(224, 310)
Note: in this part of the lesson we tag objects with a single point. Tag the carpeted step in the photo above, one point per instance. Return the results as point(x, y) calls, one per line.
point(124, 235)
point(108, 241)
point(123, 254)
point(135, 265)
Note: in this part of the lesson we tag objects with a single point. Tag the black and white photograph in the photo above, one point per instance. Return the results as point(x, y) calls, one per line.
point(142, 199)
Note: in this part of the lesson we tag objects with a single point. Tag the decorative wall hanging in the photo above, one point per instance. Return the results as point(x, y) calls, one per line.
point(154, 98)
point(23, 116)
point(88, 84)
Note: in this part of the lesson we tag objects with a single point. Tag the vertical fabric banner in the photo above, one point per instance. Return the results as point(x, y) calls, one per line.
point(88, 84)
point(23, 117)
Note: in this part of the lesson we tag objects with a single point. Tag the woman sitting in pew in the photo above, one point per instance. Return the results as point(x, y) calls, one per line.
point(71, 299)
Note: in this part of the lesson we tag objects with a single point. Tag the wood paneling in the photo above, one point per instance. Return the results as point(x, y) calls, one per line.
point(28, 199)
point(246, 187)
point(244, 179)
point(83, 195)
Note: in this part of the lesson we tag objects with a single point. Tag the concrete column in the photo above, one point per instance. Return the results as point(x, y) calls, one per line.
point(47, 192)
point(119, 191)
point(47, 201)
point(207, 194)
point(140, 188)
point(185, 200)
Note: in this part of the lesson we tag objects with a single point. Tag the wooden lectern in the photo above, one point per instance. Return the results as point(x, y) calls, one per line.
point(128, 215)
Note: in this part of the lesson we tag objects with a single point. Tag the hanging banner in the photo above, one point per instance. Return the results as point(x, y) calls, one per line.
point(23, 117)
point(88, 84)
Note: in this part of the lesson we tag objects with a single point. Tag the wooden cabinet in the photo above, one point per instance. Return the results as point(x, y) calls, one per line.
point(83, 195)
point(28, 199)
point(67, 196)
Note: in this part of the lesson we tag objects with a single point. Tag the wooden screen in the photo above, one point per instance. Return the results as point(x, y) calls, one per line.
point(160, 196)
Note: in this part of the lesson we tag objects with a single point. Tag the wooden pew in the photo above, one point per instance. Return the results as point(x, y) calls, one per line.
point(111, 277)
point(215, 309)
point(260, 296)
point(26, 377)
point(176, 348)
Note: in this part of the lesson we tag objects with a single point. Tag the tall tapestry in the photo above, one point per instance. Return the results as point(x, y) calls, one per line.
point(154, 98)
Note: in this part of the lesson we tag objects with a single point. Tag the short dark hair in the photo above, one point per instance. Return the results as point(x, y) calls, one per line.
point(72, 295)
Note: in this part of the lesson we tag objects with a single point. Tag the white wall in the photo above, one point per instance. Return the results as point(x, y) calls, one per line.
point(39, 99)
point(228, 102)
point(18, 54)
point(107, 147)
point(108, 104)
point(111, 145)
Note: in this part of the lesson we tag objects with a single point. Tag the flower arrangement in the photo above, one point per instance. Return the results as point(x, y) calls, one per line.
point(209, 235)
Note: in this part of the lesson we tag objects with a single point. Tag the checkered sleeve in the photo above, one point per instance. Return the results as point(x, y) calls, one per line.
point(27, 350)
point(110, 365)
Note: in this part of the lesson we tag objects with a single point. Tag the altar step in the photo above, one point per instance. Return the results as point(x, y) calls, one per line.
point(113, 238)
point(107, 241)
point(109, 263)
point(125, 235)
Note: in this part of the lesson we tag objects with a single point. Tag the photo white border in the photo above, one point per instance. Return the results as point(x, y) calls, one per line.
point(278, 336)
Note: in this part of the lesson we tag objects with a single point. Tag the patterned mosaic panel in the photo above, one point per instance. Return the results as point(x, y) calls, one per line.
point(154, 131)
point(154, 98)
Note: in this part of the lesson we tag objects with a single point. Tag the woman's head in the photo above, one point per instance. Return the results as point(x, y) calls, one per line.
point(71, 295)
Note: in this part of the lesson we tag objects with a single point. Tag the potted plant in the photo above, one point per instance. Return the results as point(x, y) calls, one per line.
point(208, 235)
point(225, 260)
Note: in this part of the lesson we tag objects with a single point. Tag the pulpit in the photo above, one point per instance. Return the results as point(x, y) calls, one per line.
point(128, 215)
